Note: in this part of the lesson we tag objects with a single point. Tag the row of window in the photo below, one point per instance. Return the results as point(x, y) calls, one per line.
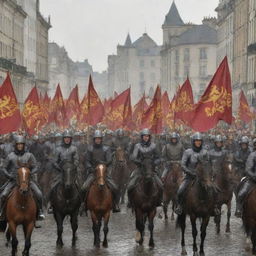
point(186, 70)
point(152, 77)
point(252, 69)
point(186, 55)
point(143, 63)
point(252, 31)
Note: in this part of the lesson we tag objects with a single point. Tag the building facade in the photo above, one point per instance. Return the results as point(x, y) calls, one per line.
point(188, 51)
point(64, 71)
point(21, 46)
point(136, 65)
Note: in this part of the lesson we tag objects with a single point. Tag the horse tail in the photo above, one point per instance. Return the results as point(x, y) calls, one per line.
point(3, 225)
point(180, 221)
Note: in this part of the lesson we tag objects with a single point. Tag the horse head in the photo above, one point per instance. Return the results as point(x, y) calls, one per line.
point(148, 169)
point(23, 180)
point(120, 156)
point(68, 174)
point(101, 173)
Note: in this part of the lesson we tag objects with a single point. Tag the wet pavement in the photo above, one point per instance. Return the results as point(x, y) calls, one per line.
point(122, 243)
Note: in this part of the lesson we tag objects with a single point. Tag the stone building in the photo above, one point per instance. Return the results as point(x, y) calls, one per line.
point(22, 42)
point(188, 50)
point(136, 64)
point(64, 71)
point(251, 80)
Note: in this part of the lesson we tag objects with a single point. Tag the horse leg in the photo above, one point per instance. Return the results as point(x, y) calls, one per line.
point(12, 228)
point(194, 233)
point(181, 221)
point(105, 229)
point(165, 209)
point(27, 232)
point(151, 217)
point(59, 220)
point(204, 225)
point(217, 220)
point(140, 226)
point(96, 229)
point(8, 237)
point(74, 226)
point(228, 216)
point(253, 239)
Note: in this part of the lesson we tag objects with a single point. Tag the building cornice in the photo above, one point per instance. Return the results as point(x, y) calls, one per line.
point(43, 21)
point(16, 7)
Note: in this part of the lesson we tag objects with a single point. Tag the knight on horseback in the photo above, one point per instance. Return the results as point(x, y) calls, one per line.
point(11, 165)
point(248, 183)
point(172, 152)
point(218, 153)
point(241, 155)
point(99, 154)
point(188, 163)
point(144, 150)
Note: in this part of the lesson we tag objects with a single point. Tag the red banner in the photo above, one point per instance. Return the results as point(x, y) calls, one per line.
point(33, 115)
point(139, 109)
point(152, 118)
point(244, 112)
point(184, 105)
point(73, 106)
point(10, 117)
point(216, 102)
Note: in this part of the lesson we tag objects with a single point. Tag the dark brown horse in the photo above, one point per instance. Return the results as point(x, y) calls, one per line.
point(199, 203)
point(99, 203)
point(222, 174)
point(144, 199)
point(65, 200)
point(120, 173)
point(171, 185)
point(249, 218)
point(21, 209)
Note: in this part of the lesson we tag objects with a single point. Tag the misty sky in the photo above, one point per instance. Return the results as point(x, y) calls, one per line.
point(91, 29)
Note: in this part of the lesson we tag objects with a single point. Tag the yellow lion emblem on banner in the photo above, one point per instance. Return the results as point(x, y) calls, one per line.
point(8, 106)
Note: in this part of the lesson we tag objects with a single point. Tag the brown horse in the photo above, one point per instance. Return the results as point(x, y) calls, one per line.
point(120, 173)
point(21, 209)
point(249, 218)
point(222, 175)
point(171, 185)
point(99, 203)
point(199, 203)
point(144, 199)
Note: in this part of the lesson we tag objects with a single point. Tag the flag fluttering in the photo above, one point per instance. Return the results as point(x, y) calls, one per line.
point(10, 117)
point(33, 116)
point(244, 112)
point(139, 109)
point(152, 117)
point(216, 102)
point(72, 106)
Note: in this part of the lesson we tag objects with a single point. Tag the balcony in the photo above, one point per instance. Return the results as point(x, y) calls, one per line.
point(11, 66)
point(252, 49)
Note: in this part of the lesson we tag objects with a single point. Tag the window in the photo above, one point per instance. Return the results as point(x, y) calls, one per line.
point(153, 64)
point(177, 70)
point(186, 71)
point(142, 63)
point(153, 77)
point(203, 54)
point(141, 76)
point(177, 56)
point(203, 71)
point(186, 54)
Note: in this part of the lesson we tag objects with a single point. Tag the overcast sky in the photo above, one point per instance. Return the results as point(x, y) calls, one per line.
point(91, 29)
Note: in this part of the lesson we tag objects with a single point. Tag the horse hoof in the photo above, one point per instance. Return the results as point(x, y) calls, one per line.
point(227, 230)
point(105, 244)
point(59, 244)
point(152, 245)
point(195, 254)
point(184, 252)
point(137, 237)
point(97, 245)
point(202, 254)
point(7, 244)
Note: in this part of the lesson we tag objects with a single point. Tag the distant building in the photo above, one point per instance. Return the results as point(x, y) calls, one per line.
point(188, 51)
point(64, 71)
point(136, 65)
point(23, 46)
